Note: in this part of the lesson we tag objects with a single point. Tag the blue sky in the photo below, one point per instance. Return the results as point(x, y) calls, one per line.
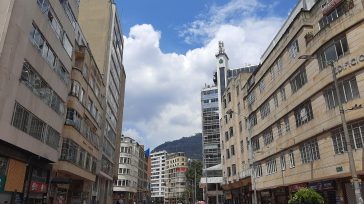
point(169, 56)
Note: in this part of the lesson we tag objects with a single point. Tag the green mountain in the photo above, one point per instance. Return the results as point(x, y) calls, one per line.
point(192, 146)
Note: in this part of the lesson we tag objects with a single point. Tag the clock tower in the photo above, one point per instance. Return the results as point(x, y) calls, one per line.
point(222, 65)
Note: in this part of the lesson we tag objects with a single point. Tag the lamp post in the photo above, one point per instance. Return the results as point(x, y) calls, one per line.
point(252, 158)
point(353, 172)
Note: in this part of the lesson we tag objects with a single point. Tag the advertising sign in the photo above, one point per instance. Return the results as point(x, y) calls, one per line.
point(2, 183)
point(38, 187)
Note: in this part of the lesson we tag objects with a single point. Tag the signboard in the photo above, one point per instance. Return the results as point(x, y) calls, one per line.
point(296, 187)
point(2, 183)
point(322, 186)
point(181, 169)
point(38, 187)
point(351, 62)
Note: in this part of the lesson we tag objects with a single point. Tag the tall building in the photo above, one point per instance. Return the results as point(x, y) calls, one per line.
point(100, 23)
point(158, 176)
point(211, 102)
point(177, 165)
point(132, 182)
point(234, 143)
point(293, 120)
point(37, 44)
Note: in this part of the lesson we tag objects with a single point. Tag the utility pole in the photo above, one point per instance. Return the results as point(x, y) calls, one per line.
point(194, 184)
point(251, 158)
point(354, 175)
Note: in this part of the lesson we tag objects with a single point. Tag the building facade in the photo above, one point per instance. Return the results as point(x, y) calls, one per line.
point(37, 43)
point(100, 23)
point(212, 174)
point(132, 183)
point(177, 165)
point(293, 125)
point(235, 155)
point(158, 176)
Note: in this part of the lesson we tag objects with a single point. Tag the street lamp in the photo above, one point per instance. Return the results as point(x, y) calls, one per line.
point(353, 172)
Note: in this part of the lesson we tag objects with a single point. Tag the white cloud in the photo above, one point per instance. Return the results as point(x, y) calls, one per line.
point(163, 89)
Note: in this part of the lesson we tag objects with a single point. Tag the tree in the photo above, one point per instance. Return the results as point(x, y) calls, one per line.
point(306, 196)
point(193, 166)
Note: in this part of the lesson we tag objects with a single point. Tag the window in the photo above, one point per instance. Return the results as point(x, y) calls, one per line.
point(227, 153)
point(240, 126)
point(69, 13)
point(40, 88)
point(261, 85)
point(275, 100)
point(55, 24)
point(73, 118)
point(258, 171)
point(309, 151)
point(271, 166)
point(265, 109)
point(283, 162)
point(293, 49)
point(356, 135)
point(333, 15)
point(255, 143)
point(242, 146)
point(286, 123)
point(292, 163)
point(303, 113)
point(282, 92)
point(268, 136)
point(334, 50)
point(250, 99)
point(237, 90)
point(298, 79)
point(232, 150)
point(48, 54)
point(348, 90)
point(231, 131)
point(43, 5)
point(229, 171)
point(276, 68)
point(35, 127)
point(226, 136)
point(279, 128)
point(224, 103)
point(67, 45)
point(233, 167)
point(229, 96)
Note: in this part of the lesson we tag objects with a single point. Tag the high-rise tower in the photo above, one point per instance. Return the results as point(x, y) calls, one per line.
point(100, 23)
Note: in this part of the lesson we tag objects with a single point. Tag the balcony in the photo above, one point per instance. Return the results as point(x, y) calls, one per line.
point(245, 173)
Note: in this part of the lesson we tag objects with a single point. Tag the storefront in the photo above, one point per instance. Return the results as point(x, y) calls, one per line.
point(266, 197)
point(326, 188)
point(280, 195)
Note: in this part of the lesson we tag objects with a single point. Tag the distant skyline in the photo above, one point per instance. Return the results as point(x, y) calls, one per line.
point(169, 56)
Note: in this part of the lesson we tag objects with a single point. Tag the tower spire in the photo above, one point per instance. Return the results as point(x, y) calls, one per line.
point(221, 47)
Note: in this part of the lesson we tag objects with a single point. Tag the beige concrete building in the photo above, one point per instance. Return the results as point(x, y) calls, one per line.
point(132, 183)
point(177, 166)
point(235, 161)
point(76, 171)
point(291, 107)
point(100, 23)
point(36, 52)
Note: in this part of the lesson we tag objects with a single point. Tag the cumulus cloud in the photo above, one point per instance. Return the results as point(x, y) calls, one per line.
point(162, 99)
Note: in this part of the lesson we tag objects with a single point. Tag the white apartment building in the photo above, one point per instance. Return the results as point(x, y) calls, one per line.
point(158, 176)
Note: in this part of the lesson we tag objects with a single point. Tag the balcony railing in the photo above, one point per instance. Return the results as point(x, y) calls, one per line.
point(245, 173)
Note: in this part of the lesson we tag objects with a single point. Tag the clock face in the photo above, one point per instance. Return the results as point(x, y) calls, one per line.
point(221, 61)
